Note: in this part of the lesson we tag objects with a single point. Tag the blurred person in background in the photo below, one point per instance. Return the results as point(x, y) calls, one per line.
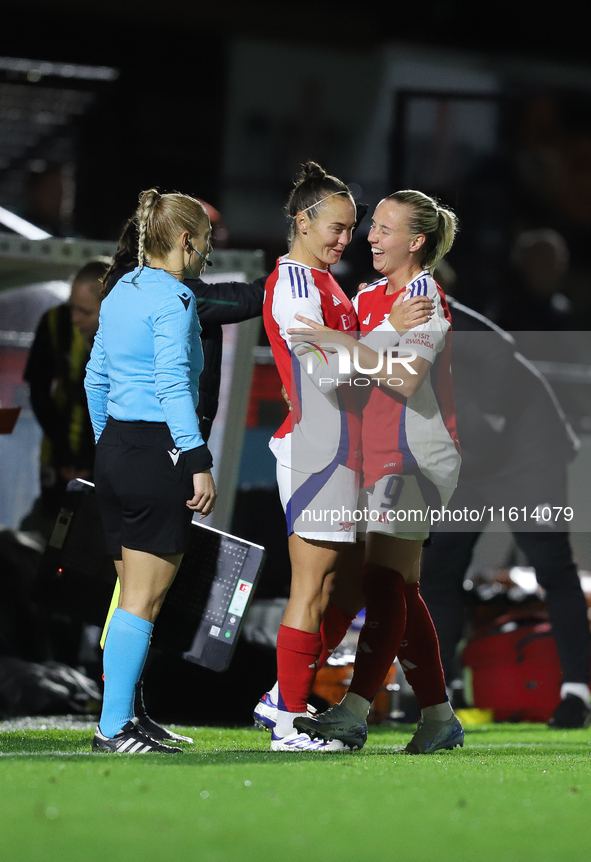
point(535, 298)
point(516, 445)
point(55, 374)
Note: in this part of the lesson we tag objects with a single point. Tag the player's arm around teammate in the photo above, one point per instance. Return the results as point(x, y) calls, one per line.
point(410, 462)
point(317, 448)
point(311, 465)
point(152, 466)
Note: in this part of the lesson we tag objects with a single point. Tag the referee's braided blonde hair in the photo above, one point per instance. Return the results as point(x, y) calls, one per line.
point(426, 215)
point(161, 218)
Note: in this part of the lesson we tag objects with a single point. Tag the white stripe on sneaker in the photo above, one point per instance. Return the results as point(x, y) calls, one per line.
point(125, 745)
point(136, 747)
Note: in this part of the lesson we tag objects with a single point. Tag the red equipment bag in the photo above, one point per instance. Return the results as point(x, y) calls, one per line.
point(515, 669)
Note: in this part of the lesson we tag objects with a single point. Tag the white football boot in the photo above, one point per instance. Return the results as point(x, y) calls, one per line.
point(265, 712)
point(297, 741)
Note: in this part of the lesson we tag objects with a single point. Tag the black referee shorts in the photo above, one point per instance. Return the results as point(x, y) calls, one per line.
point(142, 485)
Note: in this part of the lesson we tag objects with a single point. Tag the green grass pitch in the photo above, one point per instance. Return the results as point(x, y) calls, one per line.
point(515, 793)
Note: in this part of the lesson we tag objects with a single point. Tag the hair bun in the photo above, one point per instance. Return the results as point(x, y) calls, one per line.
point(312, 171)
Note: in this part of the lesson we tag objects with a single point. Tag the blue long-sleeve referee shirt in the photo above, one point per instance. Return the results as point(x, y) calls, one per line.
point(147, 357)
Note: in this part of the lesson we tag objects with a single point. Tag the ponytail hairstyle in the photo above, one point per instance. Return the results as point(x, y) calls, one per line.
point(125, 258)
point(312, 187)
point(427, 216)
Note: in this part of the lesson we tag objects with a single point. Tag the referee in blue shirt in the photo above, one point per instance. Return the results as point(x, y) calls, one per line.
point(152, 468)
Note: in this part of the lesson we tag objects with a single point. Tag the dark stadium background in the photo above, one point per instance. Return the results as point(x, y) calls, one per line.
point(172, 58)
point(164, 121)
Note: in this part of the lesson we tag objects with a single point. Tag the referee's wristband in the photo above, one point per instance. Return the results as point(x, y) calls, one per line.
point(198, 460)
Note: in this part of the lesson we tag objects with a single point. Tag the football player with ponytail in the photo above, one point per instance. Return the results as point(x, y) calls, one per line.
point(313, 469)
point(317, 449)
point(152, 467)
point(411, 462)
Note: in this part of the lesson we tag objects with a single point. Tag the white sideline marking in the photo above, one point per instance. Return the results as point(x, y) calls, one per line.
point(45, 753)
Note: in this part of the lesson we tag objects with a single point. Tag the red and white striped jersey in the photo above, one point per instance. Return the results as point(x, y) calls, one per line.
point(323, 428)
point(415, 434)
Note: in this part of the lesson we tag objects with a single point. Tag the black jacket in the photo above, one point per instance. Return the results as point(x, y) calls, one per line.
point(226, 302)
point(55, 374)
point(507, 414)
point(217, 304)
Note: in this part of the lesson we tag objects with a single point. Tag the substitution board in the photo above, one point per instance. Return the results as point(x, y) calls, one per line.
point(202, 615)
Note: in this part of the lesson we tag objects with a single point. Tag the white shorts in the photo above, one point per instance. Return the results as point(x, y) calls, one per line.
point(400, 506)
point(319, 505)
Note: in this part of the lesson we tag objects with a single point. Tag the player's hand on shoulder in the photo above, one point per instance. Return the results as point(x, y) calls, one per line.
point(413, 312)
point(204, 494)
point(285, 397)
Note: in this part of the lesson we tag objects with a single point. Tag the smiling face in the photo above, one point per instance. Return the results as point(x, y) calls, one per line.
point(393, 246)
point(323, 241)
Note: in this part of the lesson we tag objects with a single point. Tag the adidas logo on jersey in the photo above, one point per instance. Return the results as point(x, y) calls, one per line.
point(367, 319)
point(336, 301)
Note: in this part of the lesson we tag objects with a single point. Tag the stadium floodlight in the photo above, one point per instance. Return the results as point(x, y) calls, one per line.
point(21, 225)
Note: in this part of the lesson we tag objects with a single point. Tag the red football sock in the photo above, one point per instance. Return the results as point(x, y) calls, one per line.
point(335, 626)
point(297, 657)
point(380, 637)
point(419, 651)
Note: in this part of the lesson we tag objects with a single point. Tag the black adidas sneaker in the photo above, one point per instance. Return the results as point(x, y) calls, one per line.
point(131, 740)
point(155, 731)
point(148, 725)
